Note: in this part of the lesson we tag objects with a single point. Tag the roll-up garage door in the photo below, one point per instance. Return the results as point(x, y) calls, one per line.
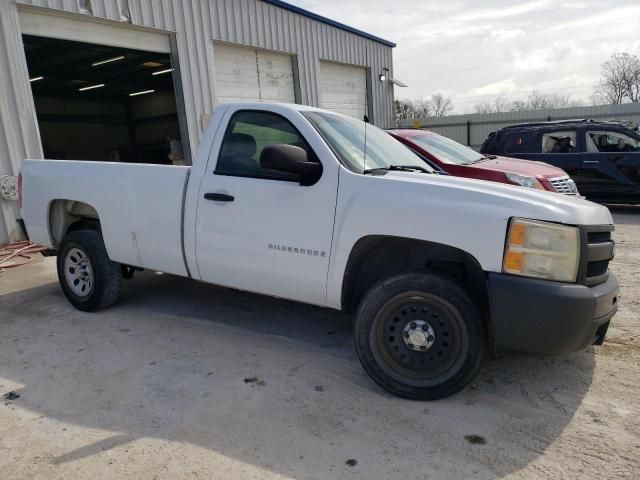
point(343, 89)
point(252, 75)
point(66, 28)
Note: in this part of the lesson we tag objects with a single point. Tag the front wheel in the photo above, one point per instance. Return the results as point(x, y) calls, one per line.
point(89, 279)
point(420, 336)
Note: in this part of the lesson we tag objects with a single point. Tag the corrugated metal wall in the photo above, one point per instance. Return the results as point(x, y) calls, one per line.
point(476, 127)
point(196, 23)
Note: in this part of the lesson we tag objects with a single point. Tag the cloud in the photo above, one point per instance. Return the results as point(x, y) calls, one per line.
point(494, 46)
point(502, 87)
point(502, 12)
point(506, 34)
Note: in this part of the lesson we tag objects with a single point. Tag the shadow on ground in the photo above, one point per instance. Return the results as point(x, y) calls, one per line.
point(625, 214)
point(270, 383)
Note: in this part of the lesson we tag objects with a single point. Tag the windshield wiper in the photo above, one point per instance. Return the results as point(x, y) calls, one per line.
point(481, 159)
point(404, 168)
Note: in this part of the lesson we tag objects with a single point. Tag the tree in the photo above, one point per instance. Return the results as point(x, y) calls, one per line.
point(633, 83)
point(422, 108)
point(499, 104)
point(441, 105)
point(619, 80)
point(535, 101)
point(519, 106)
point(403, 109)
point(483, 107)
point(550, 101)
point(436, 106)
point(406, 109)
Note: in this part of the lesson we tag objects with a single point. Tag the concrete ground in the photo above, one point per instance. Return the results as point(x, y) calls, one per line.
point(184, 380)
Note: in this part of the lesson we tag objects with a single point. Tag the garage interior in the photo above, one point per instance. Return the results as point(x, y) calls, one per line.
point(103, 103)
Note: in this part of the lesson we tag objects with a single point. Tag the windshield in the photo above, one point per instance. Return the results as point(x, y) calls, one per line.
point(446, 150)
point(346, 136)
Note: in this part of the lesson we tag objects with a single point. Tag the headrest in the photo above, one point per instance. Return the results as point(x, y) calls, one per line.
point(240, 144)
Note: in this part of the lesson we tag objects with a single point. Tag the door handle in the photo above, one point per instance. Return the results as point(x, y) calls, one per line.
point(591, 162)
point(219, 197)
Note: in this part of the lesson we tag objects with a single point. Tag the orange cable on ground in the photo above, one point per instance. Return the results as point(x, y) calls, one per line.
point(19, 253)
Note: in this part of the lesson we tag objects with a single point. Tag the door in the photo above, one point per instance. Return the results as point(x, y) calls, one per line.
point(343, 89)
point(258, 229)
point(612, 163)
point(253, 75)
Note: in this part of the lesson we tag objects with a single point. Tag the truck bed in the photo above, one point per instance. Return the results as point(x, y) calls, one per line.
point(139, 206)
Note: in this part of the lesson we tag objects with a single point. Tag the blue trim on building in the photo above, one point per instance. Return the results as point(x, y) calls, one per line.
point(328, 21)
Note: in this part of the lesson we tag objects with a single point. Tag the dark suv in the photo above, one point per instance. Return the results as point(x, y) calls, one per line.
point(602, 157)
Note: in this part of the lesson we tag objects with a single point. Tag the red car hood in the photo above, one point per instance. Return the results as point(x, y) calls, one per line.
point(522, 167)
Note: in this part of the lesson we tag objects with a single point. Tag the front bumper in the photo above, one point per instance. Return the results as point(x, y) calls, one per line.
point(540, 316)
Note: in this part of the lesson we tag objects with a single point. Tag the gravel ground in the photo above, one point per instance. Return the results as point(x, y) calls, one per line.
point(183, 380)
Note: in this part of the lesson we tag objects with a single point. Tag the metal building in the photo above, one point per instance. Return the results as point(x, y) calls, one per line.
point(136, 80)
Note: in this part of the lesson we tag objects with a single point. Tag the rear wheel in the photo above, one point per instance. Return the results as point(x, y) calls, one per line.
point(89, 279)
point(420, 336)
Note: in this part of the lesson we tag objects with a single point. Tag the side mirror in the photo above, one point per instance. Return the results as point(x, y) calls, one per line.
point(293, 160)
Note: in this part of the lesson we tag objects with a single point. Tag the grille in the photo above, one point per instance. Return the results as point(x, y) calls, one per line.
point(597, 268)
point(598, 253)
point(564, 185)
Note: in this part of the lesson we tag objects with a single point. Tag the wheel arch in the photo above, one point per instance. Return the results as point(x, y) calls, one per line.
point(375, 257)
point(70, 215)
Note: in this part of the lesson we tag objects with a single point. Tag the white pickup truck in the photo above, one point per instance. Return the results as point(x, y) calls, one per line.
point(300, 203)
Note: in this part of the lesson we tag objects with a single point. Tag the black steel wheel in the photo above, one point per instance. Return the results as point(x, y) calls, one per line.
point(420, 336)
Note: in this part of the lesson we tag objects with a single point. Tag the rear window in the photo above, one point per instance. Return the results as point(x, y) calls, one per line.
point(445, 149)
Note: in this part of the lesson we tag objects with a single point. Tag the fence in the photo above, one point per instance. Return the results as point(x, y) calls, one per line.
point(473, 129)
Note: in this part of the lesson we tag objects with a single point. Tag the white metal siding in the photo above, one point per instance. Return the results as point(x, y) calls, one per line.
point(197, 24)
point(250, 74)
point(343, 89)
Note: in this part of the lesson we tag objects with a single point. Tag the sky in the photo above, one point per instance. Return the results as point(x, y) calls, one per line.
point(474, 50)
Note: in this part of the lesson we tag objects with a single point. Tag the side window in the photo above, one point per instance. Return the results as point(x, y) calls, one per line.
point(521, 142)
point(559, 142)
point(247, 135)
point(608, 141)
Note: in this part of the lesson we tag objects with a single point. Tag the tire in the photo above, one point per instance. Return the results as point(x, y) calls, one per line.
point(419, 336)
point(89, 280)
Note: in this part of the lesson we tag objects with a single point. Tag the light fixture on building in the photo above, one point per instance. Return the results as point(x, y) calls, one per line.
point(108, 60)
point(35, 79)
point(91, 87)
point(160, 72)
point(144, 92)
point(384, 76)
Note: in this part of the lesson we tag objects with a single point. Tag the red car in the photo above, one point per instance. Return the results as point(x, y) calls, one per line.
point(461, 161)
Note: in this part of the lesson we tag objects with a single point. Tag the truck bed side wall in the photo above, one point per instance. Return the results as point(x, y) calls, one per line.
point(139, 207)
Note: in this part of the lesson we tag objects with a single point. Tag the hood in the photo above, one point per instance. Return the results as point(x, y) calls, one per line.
point(521, 167)
point(508, 200)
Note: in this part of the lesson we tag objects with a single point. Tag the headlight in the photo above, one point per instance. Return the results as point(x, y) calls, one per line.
point(542, 250)
point(524, 181)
